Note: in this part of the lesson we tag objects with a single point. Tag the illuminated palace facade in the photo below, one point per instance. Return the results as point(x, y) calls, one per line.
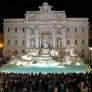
point(45, 25)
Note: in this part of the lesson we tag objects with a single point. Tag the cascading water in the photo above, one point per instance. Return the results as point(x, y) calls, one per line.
point(45, 60)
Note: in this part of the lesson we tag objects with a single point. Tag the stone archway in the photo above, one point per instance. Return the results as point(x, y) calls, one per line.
point(45, 36)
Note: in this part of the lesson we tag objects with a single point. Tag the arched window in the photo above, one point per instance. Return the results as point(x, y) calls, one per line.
point(16, 51)
point(16, 42)
point(83, 51)
point(68, 41)
point(83, 42)
point(83, 29)
point(23, 29)
point(23, 42)
point(8, 29)
point(8, 43)
point(68, 29)
point(75, 29)
point(75, 41)
point(15, 29)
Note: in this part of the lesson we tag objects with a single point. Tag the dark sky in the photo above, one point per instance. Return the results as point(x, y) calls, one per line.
point(17, 8)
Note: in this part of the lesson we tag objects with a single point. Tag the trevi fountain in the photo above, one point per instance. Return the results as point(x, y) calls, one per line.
point(45, 60)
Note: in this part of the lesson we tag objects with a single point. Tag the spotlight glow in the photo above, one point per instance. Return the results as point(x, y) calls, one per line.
point(77, 63)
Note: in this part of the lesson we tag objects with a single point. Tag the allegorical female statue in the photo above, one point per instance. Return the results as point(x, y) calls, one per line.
point(45, 45)
point(45, 48)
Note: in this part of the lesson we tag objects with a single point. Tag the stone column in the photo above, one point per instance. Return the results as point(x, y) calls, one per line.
point(54, 39)
point(39, 41)
point(27, 38)
point(37, 38)
point(64, 36)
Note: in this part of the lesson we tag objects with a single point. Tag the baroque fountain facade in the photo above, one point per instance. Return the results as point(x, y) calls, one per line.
point(46, 60)
point(45, 39)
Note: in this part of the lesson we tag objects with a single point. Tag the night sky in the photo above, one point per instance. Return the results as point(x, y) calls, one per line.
point(17, 8)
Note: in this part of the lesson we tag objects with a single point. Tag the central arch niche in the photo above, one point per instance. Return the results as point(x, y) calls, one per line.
point(45, 35)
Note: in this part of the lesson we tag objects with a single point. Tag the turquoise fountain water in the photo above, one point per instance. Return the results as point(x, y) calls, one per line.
point(44, 61)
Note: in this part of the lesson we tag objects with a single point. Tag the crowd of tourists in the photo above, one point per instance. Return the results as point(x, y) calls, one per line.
point(25, 82)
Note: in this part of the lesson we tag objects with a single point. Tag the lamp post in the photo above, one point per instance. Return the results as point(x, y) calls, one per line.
point(1, 47)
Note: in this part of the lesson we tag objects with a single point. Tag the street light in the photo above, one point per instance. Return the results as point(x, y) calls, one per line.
point(1, 46)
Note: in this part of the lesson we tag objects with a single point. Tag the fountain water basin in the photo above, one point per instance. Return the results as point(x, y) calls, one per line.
point(45, 61)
